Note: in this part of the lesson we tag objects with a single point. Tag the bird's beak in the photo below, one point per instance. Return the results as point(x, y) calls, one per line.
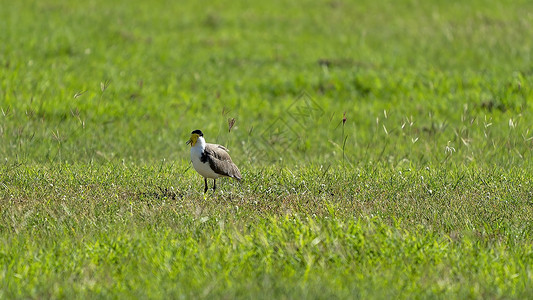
point(192, 140)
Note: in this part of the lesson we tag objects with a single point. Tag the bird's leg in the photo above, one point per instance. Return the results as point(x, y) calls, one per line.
point(214, 185)
point(205, 181)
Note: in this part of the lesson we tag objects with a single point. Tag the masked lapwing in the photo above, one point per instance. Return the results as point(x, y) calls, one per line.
point(211, 160)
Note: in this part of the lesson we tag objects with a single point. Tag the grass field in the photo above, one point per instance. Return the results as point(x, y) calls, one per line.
point(386, 149)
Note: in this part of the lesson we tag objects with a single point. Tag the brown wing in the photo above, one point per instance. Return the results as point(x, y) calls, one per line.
point(220, 161)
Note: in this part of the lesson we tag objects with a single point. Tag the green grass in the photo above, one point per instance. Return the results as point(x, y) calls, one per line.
point(99, 81)
point(145, 231)
point(423, 192)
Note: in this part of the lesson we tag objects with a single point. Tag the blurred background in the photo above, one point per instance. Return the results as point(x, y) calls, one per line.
point(396, 82)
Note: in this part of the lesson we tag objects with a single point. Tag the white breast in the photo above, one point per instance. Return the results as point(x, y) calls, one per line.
point(202, 168)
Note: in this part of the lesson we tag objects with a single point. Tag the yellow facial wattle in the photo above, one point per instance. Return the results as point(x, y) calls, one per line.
point(193, 139)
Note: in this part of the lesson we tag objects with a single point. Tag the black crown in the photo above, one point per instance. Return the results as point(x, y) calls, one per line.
point(198, 132)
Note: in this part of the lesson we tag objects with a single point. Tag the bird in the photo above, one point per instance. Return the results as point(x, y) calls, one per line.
point(211, 160)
